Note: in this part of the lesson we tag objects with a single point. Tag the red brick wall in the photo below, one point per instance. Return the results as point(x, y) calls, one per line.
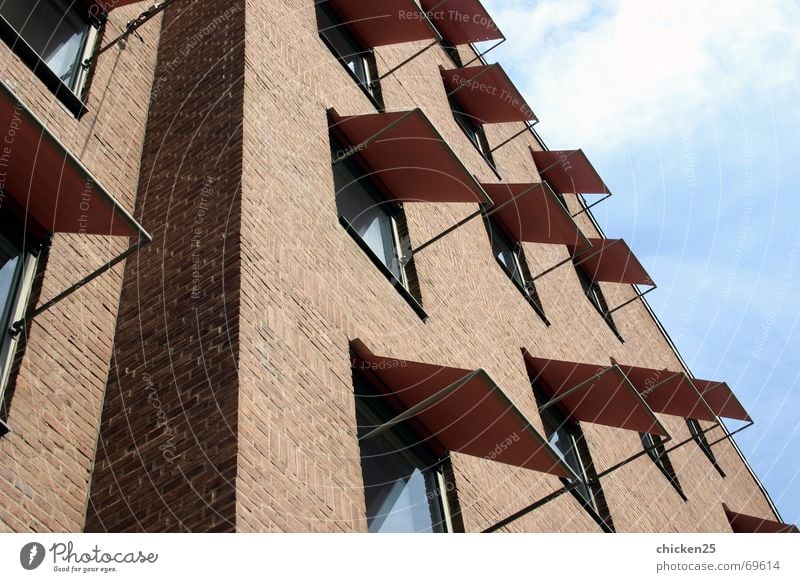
point(307, 289)
point(229, 403)
point(166, 458)
point(45, 463)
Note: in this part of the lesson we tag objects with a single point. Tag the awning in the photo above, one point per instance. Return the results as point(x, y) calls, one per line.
point(532, 213)
point(595, 394)
point(409, 156)
point(721, 399)
point(49, 183)
point(465, 411)
point(569, 172)
point(612, 261)
point(462, 21)
point(669, 392)
point(100, 6)
point(385, 22)
point(487, 94)
point(741, 523)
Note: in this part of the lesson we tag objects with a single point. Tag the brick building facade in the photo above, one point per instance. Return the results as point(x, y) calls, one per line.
point(212, 383)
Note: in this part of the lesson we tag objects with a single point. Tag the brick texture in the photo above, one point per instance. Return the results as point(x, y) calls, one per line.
point(59, 382)
point(229, 403)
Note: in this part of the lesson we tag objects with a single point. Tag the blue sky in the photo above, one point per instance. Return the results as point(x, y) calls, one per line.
point(691, 113)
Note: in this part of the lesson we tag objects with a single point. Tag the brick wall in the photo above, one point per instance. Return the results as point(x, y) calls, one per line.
point(229, 402)
point(59, 382)
point(166, 458)
point(307, 289)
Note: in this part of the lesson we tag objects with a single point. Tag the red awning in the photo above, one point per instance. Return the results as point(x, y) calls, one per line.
point(475, 417)
point(741, 523)
point(49, 183)
point(535, 215)
point(99, 6)
point(462, 21)
point(410, 157)
point(721, 399)
point(595, 394)
point(612, 261)
point(487, 94)
point(385, 22)
point(669, 392)
point(569, 172)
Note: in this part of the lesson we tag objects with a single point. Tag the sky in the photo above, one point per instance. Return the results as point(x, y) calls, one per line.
point(690, 111)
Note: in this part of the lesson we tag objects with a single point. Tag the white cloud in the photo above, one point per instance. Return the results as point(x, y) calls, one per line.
point(604, 72)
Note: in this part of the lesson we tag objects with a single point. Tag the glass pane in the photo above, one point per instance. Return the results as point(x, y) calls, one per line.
point(401, 492)
point(55, 34)
point(564, 444)
point(370, 218)
point(344, 46)
point(8, 269)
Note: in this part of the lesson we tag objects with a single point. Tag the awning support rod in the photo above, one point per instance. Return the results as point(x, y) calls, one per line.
point(526, 129)
point(559, 492)
point(730, 434)
point(544, 500)
point(471, 217)
point(425, 404)
point(578, 263)
point(480, 56)
point(639, 295)
point(130, 28)
point(404, 63)
point(592, 205)
point(18, 326)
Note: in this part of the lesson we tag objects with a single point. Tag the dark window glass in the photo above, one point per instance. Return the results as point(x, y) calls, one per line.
point(566, 437)
point(55, 30)
point(595, 295)
point(654, 445)
point(511, 257)
point(369, 215)
point(356, 59)
point(401, 478)
point(700, 438)
point(472, 129)
point(10, 264)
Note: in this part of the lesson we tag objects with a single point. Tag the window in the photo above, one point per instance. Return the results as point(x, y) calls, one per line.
point(356, 59)
point(700, 438)
point(53, 37)
point(17, 268)
point(377, 224)
point(654, 445)
point(473, 129)
point(566, 437)
point(595, 294)
point(405, 484)
point(511, 256)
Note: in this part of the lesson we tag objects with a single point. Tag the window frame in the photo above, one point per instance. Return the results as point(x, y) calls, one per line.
point(594, 293)
point(72, 97)
point(407, 285)
point(497, 234)
point(17, 304)
point(656, 451)
point(555, 419)
point(377, 408)
point(696, 430)
point(370, 85)
point(474, 131)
